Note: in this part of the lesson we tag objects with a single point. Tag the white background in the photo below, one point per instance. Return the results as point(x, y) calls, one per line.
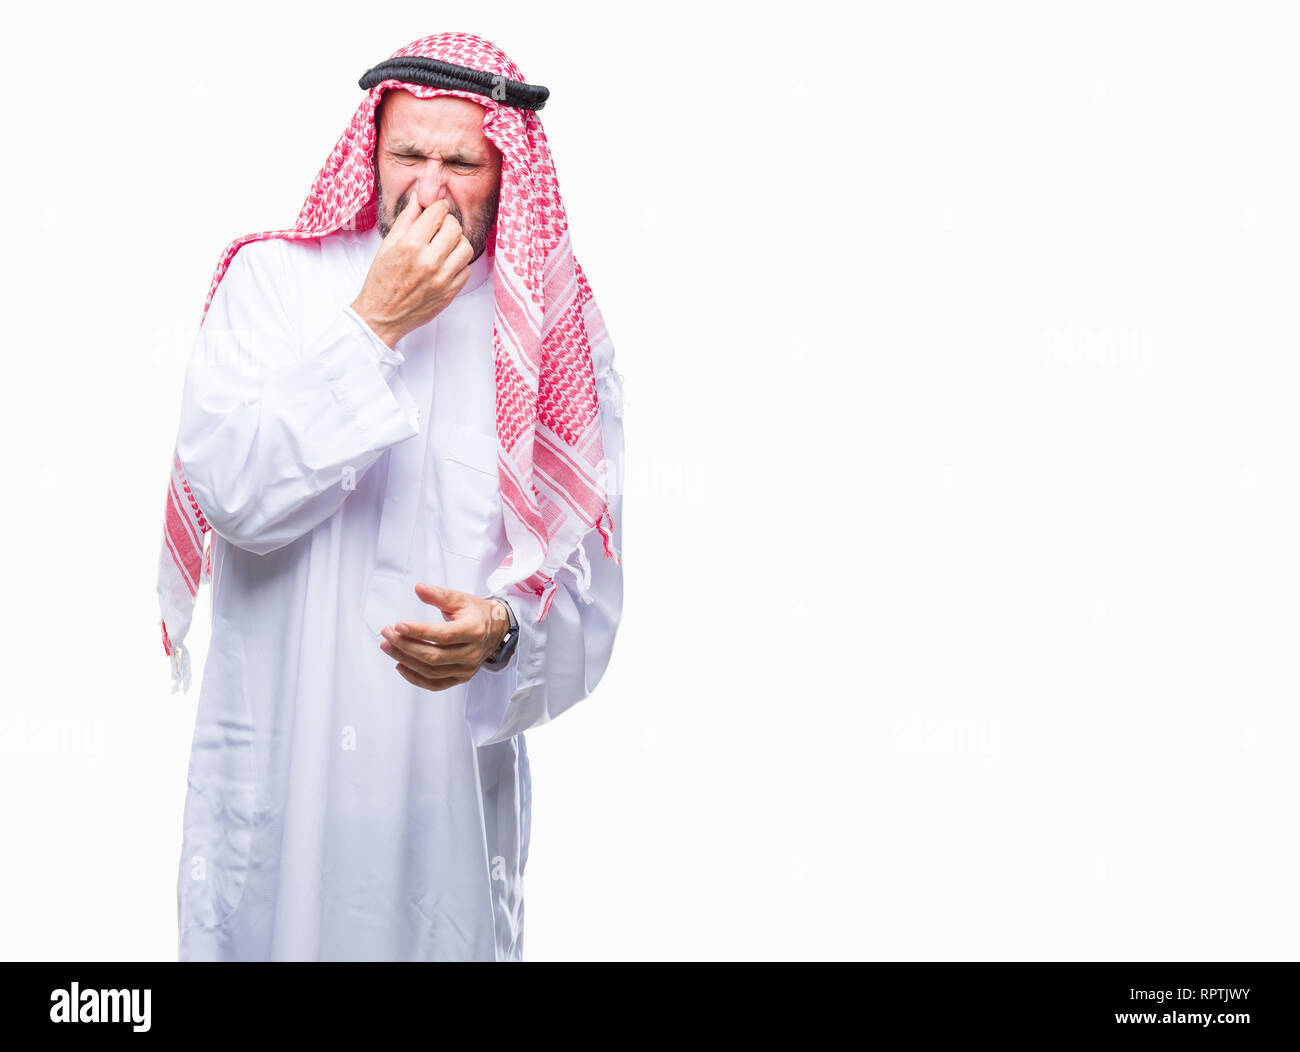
point(960, 351)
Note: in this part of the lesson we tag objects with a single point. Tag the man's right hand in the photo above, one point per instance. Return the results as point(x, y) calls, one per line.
point(420, 267)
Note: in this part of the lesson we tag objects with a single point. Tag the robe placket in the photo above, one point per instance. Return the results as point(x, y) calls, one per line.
point(390, 592)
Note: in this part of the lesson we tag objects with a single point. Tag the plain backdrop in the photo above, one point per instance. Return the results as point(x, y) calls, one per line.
point(960, 351)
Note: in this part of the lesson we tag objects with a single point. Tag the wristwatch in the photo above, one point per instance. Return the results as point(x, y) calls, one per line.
point(502, 653)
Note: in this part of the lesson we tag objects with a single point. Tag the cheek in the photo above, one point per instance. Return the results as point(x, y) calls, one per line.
point(476, 192)
point(395, 181)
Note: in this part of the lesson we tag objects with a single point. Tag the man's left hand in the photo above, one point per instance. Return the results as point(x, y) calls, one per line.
point(436, 655)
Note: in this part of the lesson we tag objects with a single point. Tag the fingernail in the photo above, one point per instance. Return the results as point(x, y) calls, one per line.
point(402, 627)
point(387, 633)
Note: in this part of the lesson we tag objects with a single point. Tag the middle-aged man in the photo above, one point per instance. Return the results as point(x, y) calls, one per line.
point(402, 426)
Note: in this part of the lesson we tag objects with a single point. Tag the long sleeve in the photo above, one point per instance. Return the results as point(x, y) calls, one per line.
point(274, 434)
point(559, 661)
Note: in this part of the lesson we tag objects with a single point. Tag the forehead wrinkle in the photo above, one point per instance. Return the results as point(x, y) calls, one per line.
point(451, 126)
point(442, 143)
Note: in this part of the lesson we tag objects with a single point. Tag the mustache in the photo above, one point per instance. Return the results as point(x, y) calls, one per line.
point(478, 233)
point(405, 200)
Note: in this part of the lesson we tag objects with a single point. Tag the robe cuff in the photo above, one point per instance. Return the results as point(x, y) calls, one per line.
point(500, 699)
point(386, 359)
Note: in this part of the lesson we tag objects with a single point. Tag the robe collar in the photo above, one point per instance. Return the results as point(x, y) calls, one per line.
point(479, 271)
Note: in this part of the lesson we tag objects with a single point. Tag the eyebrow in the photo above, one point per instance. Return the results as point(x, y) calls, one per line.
point(459, 157)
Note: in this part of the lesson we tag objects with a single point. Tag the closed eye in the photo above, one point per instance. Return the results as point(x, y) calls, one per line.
point(411, 158)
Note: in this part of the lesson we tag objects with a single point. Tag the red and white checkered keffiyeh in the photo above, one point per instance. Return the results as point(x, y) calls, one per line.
point(549, 449)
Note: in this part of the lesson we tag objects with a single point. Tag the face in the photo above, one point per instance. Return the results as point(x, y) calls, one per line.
point(435, 149)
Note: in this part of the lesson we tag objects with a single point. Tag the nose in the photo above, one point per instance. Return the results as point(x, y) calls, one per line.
point(431, 188)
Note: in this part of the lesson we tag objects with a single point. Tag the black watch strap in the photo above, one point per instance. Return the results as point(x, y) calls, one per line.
point(502, 653)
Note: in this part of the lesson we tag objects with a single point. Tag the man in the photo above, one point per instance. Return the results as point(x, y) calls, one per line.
point(401, 424)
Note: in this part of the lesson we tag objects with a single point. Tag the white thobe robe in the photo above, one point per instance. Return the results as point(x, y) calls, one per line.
point(334, 810)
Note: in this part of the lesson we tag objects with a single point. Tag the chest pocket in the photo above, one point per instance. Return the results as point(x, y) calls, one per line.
point(467, 491)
